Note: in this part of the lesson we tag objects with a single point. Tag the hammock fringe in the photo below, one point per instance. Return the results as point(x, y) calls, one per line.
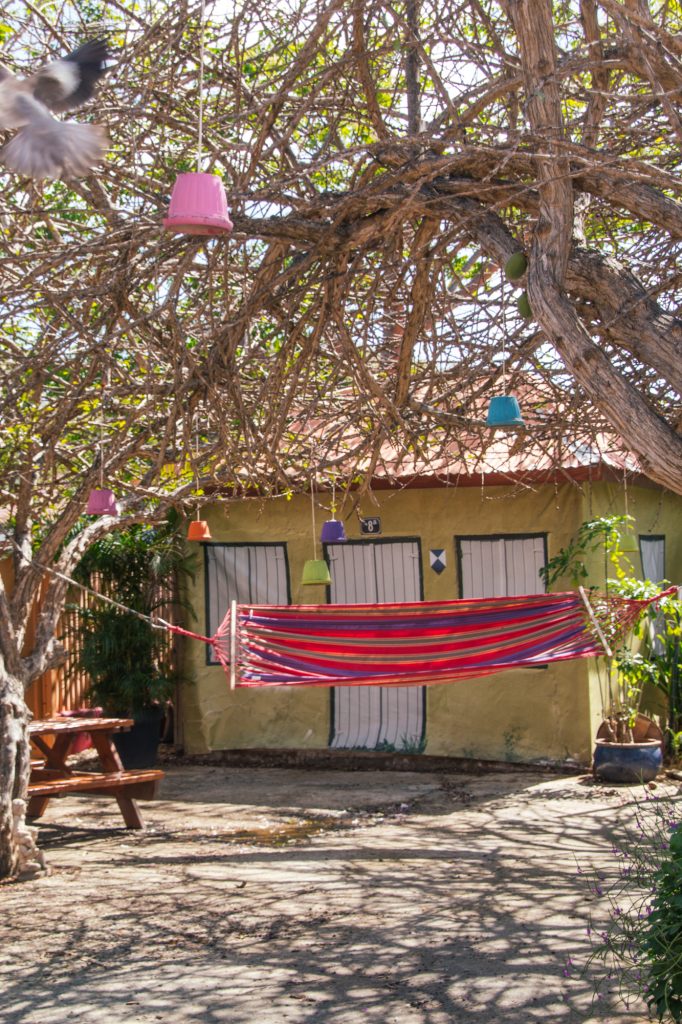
point(593, 620)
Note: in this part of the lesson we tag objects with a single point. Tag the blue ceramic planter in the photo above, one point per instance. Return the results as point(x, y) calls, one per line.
point(627, 762)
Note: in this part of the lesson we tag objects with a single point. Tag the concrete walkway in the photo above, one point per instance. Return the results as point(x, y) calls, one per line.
point(264, 896)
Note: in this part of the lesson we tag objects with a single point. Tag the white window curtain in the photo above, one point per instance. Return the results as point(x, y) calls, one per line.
point(652, 550)
point(504, 566)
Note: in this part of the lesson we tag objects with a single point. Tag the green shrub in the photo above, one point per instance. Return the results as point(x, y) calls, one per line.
point(635, 928)
point(662, 940)
point(129, 661)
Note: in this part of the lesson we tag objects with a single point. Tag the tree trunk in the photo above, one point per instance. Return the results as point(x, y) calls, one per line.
point(657, 445)
point(19, 856)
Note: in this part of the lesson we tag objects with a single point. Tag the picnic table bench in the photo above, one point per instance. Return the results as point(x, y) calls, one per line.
point(52, 777)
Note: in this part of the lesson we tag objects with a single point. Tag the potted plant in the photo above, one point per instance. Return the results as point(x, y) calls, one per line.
point(629, 745)
point(130, 662)
point(657, 662)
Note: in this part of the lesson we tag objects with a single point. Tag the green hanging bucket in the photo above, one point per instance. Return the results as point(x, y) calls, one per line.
point(316, 573)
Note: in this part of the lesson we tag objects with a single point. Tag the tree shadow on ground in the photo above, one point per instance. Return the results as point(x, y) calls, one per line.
point(412, 919)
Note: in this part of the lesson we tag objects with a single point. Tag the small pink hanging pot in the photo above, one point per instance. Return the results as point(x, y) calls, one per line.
point(198, 206)
point(102, 503)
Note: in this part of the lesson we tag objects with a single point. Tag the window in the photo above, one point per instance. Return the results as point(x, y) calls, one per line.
point(502, 566)
point(246, 573)
point(652, 550)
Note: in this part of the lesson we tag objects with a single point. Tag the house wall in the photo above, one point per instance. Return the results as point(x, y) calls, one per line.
point(518, 715)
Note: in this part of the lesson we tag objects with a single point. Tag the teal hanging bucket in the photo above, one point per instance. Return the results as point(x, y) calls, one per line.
point(504, 411)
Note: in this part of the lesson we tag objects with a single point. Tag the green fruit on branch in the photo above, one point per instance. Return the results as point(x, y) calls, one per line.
point(516, 266)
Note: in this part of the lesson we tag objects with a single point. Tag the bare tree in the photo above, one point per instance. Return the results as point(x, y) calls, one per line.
point(383, 161)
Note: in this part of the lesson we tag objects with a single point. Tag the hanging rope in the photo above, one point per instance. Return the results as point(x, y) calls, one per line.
point(101, 430)
point(312, 506)
point(156, 622)
point(196, 462)
point(201, 85)
point(503, 311)
point(333, 509)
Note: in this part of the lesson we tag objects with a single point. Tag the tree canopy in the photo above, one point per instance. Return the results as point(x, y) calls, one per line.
point(383, 162)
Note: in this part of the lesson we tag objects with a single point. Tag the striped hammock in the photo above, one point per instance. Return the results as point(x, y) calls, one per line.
point(420, 643)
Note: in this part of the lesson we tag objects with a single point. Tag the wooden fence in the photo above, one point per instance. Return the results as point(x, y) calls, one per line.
point(65, 688)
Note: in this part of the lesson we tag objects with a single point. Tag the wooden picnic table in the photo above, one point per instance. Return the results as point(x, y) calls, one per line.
point(52, 777)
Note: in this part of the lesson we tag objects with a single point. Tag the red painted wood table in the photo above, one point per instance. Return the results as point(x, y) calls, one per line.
point(51, 776)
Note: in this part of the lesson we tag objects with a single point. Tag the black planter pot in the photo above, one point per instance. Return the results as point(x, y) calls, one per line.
point(138, 747)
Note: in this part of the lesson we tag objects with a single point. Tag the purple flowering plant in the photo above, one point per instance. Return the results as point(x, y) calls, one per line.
point(635, 929)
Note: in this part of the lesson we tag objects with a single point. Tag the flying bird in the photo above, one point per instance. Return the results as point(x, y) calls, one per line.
point(44, 147)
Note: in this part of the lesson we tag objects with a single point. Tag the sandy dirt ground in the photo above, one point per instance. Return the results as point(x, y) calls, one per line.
point(260, 896)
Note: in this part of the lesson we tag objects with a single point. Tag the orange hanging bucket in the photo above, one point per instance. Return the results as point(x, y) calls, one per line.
point(198, 530)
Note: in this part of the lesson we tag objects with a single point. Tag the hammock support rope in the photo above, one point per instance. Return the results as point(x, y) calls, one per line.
point(412, 644)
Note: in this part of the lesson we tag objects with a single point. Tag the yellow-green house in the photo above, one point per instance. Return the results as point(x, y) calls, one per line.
point(427, 538)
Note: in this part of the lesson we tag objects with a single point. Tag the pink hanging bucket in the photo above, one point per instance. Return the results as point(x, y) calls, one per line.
point(81, 741)
point(102, 503)
point(198, 206)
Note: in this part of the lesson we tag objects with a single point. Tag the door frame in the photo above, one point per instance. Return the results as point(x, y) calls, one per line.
point(361, 542)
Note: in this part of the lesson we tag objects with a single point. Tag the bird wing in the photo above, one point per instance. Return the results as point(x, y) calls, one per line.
point(47, 148)
point(70, 82)
point(10, 88)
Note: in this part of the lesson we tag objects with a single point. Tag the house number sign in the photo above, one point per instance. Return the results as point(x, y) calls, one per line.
point(370, 525)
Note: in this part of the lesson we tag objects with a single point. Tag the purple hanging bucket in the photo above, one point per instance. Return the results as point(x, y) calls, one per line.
point(333, 532)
